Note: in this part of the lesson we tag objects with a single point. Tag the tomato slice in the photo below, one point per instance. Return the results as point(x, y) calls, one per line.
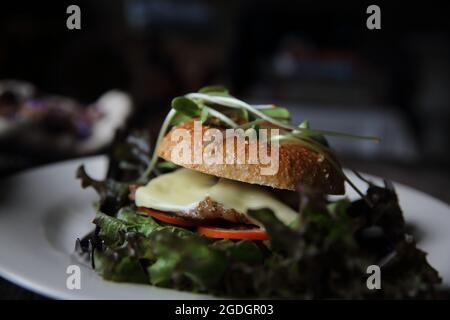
point(252, 233)
point(235, 232)
point(165, 217)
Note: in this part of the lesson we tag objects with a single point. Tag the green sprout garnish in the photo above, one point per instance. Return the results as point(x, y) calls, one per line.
point(199, 105)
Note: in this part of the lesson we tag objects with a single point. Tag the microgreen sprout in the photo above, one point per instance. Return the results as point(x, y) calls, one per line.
point(199, 105)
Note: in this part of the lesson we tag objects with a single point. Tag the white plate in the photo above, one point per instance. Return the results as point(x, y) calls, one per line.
point(43, 211)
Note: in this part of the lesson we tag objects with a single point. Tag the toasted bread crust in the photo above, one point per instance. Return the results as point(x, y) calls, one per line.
point(297, 166)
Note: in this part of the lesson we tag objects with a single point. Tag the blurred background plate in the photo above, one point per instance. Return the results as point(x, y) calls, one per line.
point(43, 211)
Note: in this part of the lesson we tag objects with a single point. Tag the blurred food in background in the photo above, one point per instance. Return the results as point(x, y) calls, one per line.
point(59, 126)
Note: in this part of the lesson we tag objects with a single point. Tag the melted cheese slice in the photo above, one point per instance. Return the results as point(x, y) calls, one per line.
point(183, 189)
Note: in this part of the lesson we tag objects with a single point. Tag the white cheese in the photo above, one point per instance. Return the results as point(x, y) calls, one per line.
point(183, 189)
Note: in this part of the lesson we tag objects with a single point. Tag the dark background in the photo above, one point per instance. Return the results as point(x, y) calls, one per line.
point(316, 58)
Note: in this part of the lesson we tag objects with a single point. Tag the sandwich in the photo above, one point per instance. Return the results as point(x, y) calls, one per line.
point(215, 193)
point(216, 197)
point(232, 200)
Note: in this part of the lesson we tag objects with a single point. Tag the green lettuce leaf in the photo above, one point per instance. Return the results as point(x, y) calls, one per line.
point(179, 260)
point(119, 268)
